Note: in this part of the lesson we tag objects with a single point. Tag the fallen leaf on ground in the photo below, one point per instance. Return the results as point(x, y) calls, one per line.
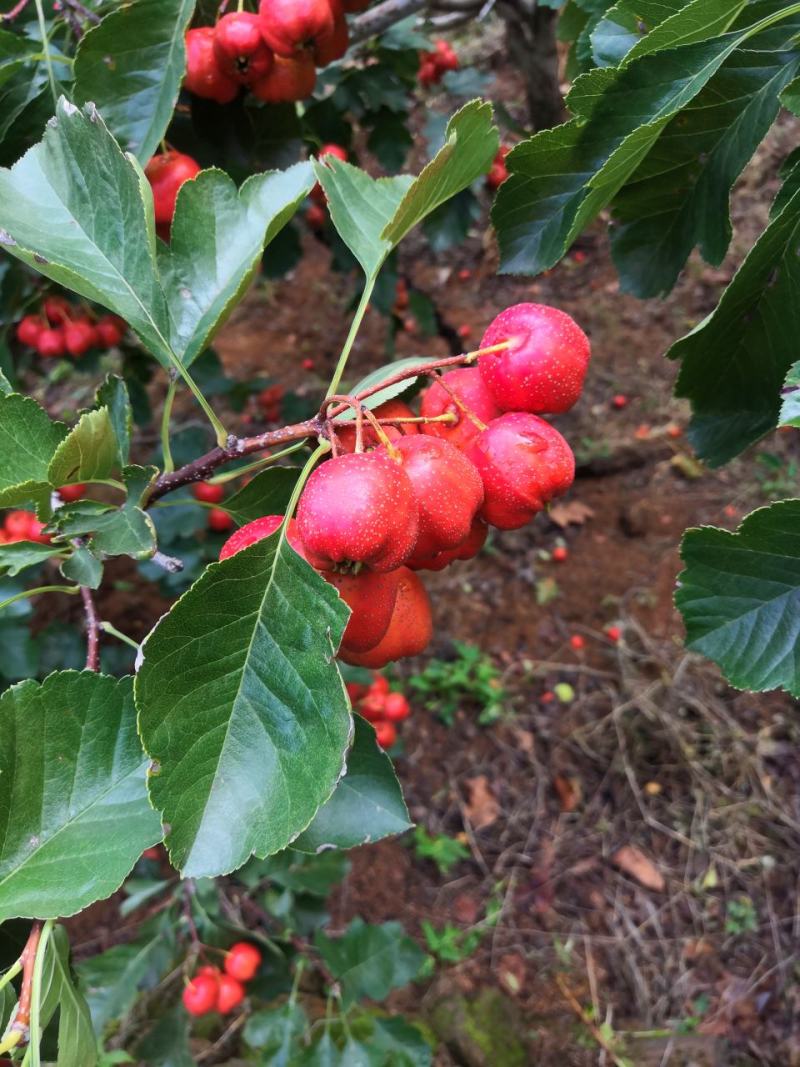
point(572, 512)
point(634, 862)
point(482, 807)
point(568, 790)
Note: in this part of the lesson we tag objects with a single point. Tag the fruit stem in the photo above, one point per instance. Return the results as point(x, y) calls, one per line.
point(459, 403)
point(166, 416)
point(501, 346)
point(383, 437)
point(69, 589)
point(361, 310)
point(108, 628)
point(46, 47)
point(447, 417)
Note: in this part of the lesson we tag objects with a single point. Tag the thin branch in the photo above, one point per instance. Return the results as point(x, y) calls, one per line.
point(16, 10)
point(84, 12)
point(19, 1029)
point(382, 16)
point(92, 630)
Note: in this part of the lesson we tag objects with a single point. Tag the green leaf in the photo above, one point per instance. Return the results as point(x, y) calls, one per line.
point(76, 1041)
point(276, 1033)
point(401, 1041)
point(113, 394)
point(268, 493)
point(5, 385)
point(131, 66)
point(621, 28)
point(370, 961)
point(167, 1044)
point(367, 804)
point(21, 554)
point(739, 597)
point(250, 734)
point(74, 815)
point(74, 209)
point(84, 568)
point(125, 531)
point(88, 452)
point(217, 240)
point(790, 408)
point(734, 362)
point(28, 441)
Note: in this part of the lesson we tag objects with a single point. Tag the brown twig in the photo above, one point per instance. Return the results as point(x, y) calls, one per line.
point(79, 9)
point(92, 630)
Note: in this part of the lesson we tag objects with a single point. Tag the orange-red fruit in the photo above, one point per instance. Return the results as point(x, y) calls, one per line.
point(466, 550)
point(79, 337)
point(18, 523)
point(289, 80)
point(36, 532)
point(379, 684)
point(524, 463)
point(230, 994)
point(392, 409)
point(544, 369)
point(219, 521)
point(316, 216)
point(29, 329)
point(498, 173)
point(371, 597)
point(613, 633)
point(448, 490)
point(359, 508)
point(50, 343)
point(329, 47)
point(620, 401)
point(410, 629)
point(385, 733)
point(239, 48)
point(396, 708)
point(242, 961)
point(446, 58)
point(577, 642)
point(200, 995)
point(70, 493)
point(559, 554)
point(204, 77)
point(166, 173)
point(57, 310)
point(207, 492)
point(291, 25)
point(257, 530)
point(372, 707)
point(110, 330)
point(428, 73)
point(470, 389)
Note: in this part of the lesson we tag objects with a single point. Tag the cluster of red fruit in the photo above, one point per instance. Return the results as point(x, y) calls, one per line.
point(274, 54)
point(380, 706)
point(22, 526)
point(400, 500)
point(434, 65)
point(60, 329)
point(222, 991)
point(213, 493)
point(498, 172)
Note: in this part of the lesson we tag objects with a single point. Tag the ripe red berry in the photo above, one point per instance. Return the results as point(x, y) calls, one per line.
point(371, 597)
point(289, 80)
point(498, 173)
point(269, 400)
point(57, 310)
point(207, 492)
point(50, 343)
point(239, 48)
point(289, 26)
point(79, 337)
point(230, 994)
point(620, 401)
point(219, 521)
point(396, 708)
point(329, 47)
point(166, 173)
point(110, 330)
point(524, 463)
point(29, 329)
point(428, 73)
point(544, 369)
point(70, 493)
point(36, 532)
point(359, 508)
point(379, 684)
point(385, 733)
point(410, 629)
point(577, 642)
point(372, 707)
point(464, 332)
point(307, 364)
point(464, 274)
point(257, 530)
point(468, 548)
point(559, 554)
point(204, 75)
point(468, 386)
point(613, 633)
point(448, 491)
point(242, 961)
point(446, 58)
point(200, 995)
point(316, 216)
point(17, 524)
point(392, 409)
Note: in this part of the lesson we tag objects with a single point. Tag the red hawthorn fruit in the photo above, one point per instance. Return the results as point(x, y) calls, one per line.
point(396, 708)
point(498, 172)
point(466, 550)
point(464, 332)
point(166, 173)
point(359, 508)
point(379, 684)
point(29, 329)
point(468, 385)
point(200, 995)
point(219, 521)
point(613, 633)
point(289, 80)
point(385, 733)
point(57, 310)
point(316, 216)
point(619, 401)
point(428, 73)
point(110, 330)
point(18, 523)
point(230, 993)
point(35, 532)
point(208, 492)
point(307, 364)
point(79, 337)
point(371, 597)
point(257, 530)
point(269, 400)
point(242, 961)
point(289, 26)
point(372, 707)
point(239, 48)
point(559, 554)
point(446, 58)
point(70, 493)
point(50, 343)
point(329, 47)
point(448, 491)
point(409, 631)
point(204, 76)
point(401, 297)
point(543, 370)
point(524, 463)
point(577, 642)
point(392, 409)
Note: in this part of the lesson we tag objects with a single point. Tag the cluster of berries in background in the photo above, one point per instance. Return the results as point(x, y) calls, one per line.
point(434, 65)
point(213, 989)
point(273, 54)
point(398, 497)
point(61, 328)
point(498, 172)
point(381, 706)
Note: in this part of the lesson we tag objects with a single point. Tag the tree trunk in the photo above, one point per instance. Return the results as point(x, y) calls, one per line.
point(531, 40)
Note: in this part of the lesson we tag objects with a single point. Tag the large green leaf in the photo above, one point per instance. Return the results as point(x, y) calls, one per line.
point(217, 240)
point(623, 26)
point(740, 597)
point(268, 493)
point(74, 815)
point(370, 961)
point(28, 441)
point(367, 804)
point(88, 453)
point(276, 1033)
point(735, 362)
point(250, 732)
point(131, 66)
